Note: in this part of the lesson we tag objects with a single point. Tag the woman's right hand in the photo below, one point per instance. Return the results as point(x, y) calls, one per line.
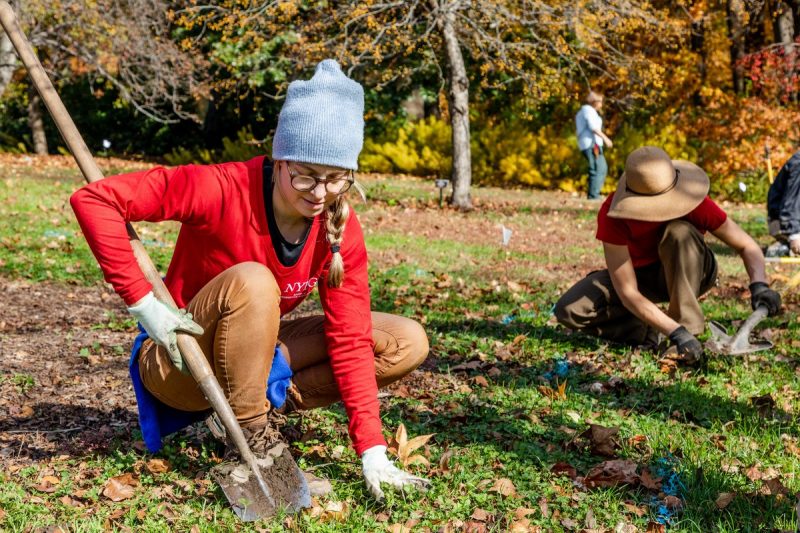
point(161, 322)
point(379, 469)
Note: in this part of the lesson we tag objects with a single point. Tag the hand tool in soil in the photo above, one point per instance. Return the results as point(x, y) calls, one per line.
point(258, 487)
point(738, 343)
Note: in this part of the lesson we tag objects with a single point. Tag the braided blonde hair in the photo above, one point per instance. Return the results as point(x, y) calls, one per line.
point(335, 219)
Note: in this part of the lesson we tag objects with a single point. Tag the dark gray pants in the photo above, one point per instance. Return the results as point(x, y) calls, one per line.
point(686, 270)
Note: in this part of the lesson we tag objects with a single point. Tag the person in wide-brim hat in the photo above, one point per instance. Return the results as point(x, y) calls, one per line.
point(652, 229)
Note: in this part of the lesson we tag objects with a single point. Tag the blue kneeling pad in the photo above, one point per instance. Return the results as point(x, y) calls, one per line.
point(157, 420)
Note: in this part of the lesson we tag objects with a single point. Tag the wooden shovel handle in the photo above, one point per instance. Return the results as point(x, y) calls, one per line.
point(190, 350)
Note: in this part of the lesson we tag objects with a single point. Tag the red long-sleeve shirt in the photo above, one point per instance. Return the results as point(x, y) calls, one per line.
point(223, 223)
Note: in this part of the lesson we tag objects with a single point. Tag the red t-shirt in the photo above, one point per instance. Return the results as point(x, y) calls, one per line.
point(224, 223)
point(642, 237)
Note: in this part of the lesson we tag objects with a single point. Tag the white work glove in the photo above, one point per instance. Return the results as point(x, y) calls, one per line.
point(379, 469)
point(161, 322)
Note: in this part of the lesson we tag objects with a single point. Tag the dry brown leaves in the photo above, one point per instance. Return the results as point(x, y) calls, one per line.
point(612, 473)
point(404, 449)
point(119, 488)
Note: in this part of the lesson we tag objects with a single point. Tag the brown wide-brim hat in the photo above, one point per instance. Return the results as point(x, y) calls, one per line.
point(655, 188)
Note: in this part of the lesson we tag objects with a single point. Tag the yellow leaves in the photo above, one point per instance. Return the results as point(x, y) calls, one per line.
point(404, 449)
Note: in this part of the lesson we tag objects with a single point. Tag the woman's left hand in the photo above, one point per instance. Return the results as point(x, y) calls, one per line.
point(379, 469)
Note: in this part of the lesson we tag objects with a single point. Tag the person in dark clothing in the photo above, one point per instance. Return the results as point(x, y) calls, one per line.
point(783, 209)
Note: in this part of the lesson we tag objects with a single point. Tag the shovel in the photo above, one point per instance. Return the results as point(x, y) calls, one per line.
point(257, 487)
point(738, 343)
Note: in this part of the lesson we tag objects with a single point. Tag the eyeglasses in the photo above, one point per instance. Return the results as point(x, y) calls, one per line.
point(337, 182)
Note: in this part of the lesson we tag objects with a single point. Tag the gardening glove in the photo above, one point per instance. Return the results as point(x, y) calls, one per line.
point(161, 322)
point(689, 348)
point(762, 295)
point(379, 469)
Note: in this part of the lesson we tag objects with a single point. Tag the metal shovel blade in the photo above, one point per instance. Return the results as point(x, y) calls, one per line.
point(739, 343)
point(287, 485)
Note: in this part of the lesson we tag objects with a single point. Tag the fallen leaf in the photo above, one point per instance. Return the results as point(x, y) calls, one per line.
point(120, 488)
point(158, 466)
point(543, 507)
point(480, 514)
point(564, 469)
point(673, 502)
point(520, 526)
point(504, 487)
point(764, 404)
point(522, 512)
point(474, 527)
point(635, 509)
point(754, 473)
point(648, 481)
point(602, 439)
point(555, 394)
point(471, 365)
point(655, 527)
point(334, 511)
point(612, 473)
point(70, 502)
point(444, 461)
point(404, 448)
point(774, 487)
point(724, 499)
point(569, 523)
point(48, 484)
point(590, 522)
point(480, 381)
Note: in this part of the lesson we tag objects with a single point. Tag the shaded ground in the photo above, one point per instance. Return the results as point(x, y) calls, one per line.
point(66, 387)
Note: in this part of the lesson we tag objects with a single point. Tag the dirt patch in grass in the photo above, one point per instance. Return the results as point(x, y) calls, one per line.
point(64, 385)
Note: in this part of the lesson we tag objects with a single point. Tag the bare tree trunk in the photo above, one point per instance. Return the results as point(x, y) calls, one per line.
point(8, 61)
point(784, 27)
point(795, 6)
point(736, 30)
point(459, 110)
point(36, 122)
point(783, 33)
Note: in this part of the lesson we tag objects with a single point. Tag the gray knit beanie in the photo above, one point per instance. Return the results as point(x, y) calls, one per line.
point(322, 120)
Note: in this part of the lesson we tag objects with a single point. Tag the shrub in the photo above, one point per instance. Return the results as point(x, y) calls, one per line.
point(422, 148)
point(242, 148)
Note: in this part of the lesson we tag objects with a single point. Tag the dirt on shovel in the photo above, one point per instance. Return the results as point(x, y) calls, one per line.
point(288, 487)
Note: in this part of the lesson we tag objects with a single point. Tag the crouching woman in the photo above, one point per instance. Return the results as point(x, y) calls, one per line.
point(256, 238)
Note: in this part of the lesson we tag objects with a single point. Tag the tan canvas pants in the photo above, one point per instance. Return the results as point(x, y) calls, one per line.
point(239, 312)
point(687, 269)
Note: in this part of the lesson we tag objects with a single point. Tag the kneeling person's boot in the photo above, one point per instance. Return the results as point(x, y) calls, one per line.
point(261, 438)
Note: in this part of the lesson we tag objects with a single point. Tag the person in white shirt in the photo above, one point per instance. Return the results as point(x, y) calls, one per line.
point(591, 140)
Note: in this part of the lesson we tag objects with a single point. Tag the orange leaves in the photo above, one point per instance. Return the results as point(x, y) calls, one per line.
point(404, 449)
point(559, 393)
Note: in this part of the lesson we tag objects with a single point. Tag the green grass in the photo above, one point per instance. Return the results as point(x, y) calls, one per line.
point(495, 419)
